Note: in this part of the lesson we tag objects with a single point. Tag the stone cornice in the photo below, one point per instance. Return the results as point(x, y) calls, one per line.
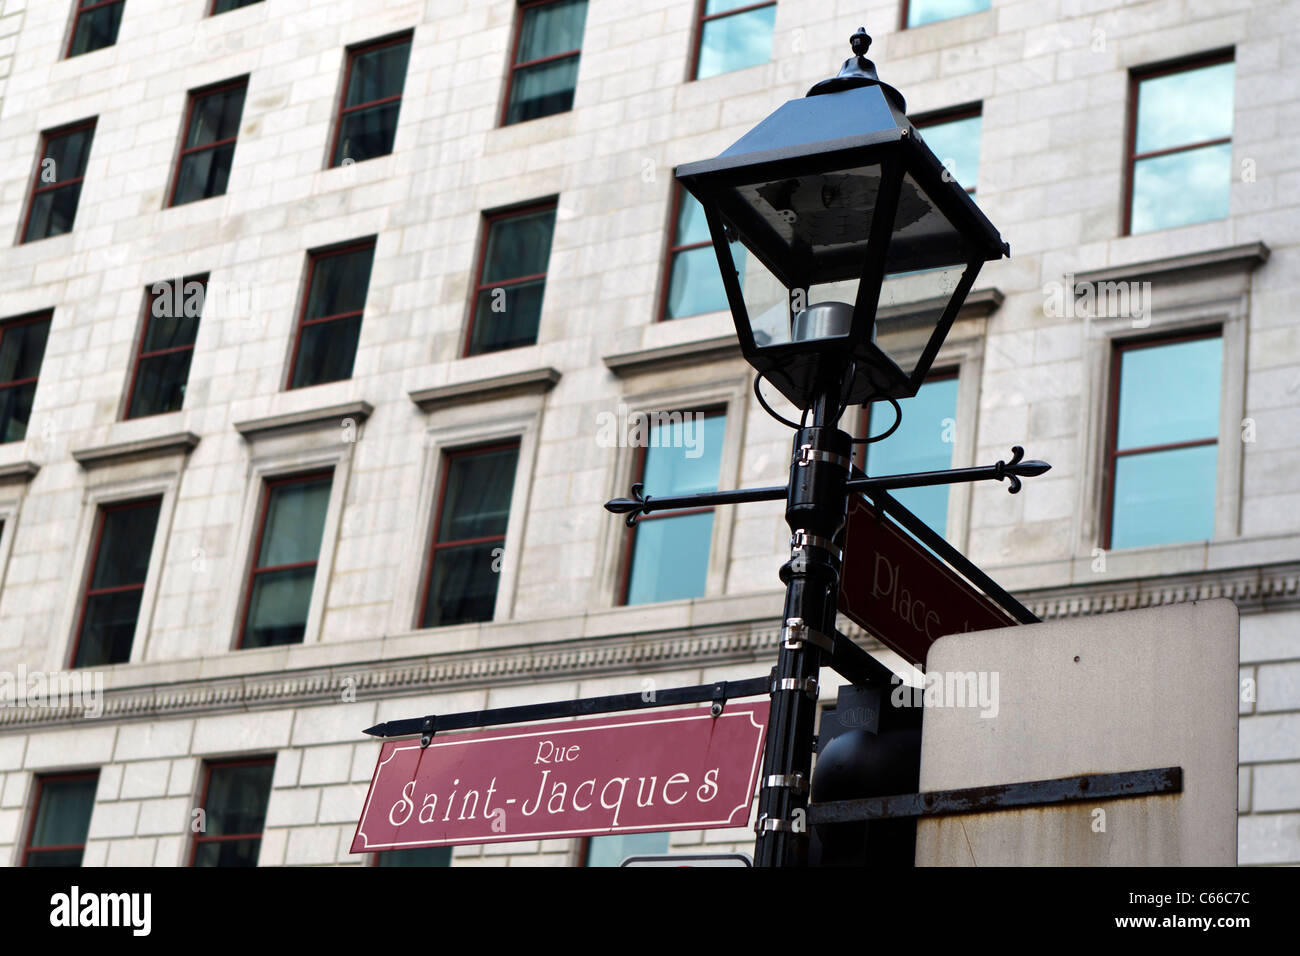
point(181, 443)
point(19, 471)
point(1254, 590)
point(673, 356)
point(485, 389)
point(1242, 258)
point(358, 411)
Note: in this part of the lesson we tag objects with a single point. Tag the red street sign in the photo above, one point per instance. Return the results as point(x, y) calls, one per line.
point(627, 773)
point(902, 593)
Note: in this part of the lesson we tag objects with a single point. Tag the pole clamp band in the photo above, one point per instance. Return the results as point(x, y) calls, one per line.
point(807, 685)
point(806, 455)
point(796, 632)
point(802, 539)
point(766, 824)
point(787, 781)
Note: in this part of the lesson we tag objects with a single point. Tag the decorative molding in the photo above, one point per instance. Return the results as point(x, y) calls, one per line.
point(19, 471)
point(176, 443)
point(1254, 590)
point(1242, 258)
point(539, 380)
point(673, 356)
point(1274, 587)
point(358, 411)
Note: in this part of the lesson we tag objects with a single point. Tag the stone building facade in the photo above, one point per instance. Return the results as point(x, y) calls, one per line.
point(1054, 84)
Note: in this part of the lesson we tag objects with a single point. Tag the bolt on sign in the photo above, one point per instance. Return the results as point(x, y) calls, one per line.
point(897, 590)
point(641, 772)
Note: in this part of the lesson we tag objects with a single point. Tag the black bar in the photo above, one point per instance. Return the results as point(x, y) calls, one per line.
point(705, 499)
point(1007, 796)
point(856, 665)
point(921, 479)
point(701, 693)
point(936, 542)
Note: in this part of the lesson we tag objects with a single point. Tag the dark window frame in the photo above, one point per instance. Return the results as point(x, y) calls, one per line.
point(30, 318)
point(87, 589)
point(192, 100)
point(213, 12)
point(638, 472)
point(139, 354)
point(354, 51)
point(448, 457)
point(41, 781)
point(951, 114)
point(1131, 158)
point(701, 18)
point(489, 220)
point(314, 258)
point(78, 11)
point(514, 67)
point(38, 188)
point(208, 767)
point(269, 483)
point(1112, 454)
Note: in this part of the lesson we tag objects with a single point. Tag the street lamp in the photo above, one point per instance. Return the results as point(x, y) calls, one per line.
point(843, 210)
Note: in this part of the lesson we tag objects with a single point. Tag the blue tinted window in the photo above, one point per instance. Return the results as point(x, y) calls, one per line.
point(923, 442)
point(957, 144)
point(732, 37)
point(613, 850)
point(694, 282)
point(670, 554)
point(1182, 150)
point(1166, 449)
point(921, 12)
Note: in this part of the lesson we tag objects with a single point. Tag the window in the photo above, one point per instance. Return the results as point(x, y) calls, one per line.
point(544, 69)
point(1163, 452)
point(337, 282)
point(162, 363)
point(224, 6)
point(57, 188)
point(954, 136)
point(693, 284)
point(511, 279)
point(290, 528)
point(614, 849)
point(668, 553)
point(372, 98)
point(22, 347)
point(1180, 145)
point(124, 536)
point(235, 794)
point(419, 856)
point(923, 442)
point(470, 534)
point(731, 35)
point(95, 25)
point(60, 821)
point(917, 13)
point(203, 168)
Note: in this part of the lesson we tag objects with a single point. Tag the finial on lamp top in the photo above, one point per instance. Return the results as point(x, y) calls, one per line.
point(858, 71)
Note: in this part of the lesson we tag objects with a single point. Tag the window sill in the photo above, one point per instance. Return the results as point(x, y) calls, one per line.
point(21, 471)
point(1222, 260)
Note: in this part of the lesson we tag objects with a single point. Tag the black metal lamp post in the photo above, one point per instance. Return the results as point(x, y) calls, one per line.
point(841, 208)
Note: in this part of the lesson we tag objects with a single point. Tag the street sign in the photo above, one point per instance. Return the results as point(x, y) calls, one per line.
point(690, 859)
point(1097, 695)
point(902, 593)
point(638, 772)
